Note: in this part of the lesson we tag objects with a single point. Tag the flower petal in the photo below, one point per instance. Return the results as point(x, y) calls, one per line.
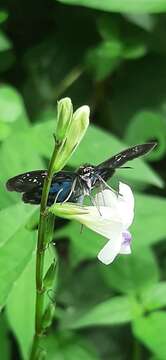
point(122, 204)
point(104, 220)
point(107, 228)
point(125, 246)
point(108, 253)
point(126, 204)
point(106, 197)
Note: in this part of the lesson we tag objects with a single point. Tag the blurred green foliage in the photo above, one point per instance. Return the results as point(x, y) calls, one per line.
point(111, 55)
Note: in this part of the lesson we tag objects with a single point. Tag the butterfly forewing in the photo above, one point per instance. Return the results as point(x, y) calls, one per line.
point(107, 168)
point(26, 181)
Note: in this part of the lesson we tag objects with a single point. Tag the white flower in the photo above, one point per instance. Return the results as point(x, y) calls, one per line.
point(111, 218)
point(122, 208)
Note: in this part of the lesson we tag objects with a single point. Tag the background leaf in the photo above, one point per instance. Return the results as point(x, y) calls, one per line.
point(19, 249)
point(111, 312)
point(69, 346)
point(149, 330)
point(22, 297)
point(132, 274)
point(141, 6)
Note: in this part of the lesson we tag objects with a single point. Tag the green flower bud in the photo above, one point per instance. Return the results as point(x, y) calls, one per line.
point(49, 276)
point(48, 316)
point(69, 210)
point(74, 135)
point(42, 355)
point(49, 229)
point(64, 117)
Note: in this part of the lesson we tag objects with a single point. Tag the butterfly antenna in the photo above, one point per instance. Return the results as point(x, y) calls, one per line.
point(94, 203)
point(57, 195)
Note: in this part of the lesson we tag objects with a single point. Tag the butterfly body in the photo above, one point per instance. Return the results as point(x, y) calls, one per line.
point(72, 186)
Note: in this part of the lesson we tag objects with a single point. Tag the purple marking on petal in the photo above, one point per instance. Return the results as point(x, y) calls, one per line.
point(126, 238)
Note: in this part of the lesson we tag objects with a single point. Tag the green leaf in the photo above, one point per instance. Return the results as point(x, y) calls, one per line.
point(5, 43)
point(23, 297)
point(3, 16)
point(67, 346)
point(144, 21)
point(154, 297)
point(133, 6)
point(151, 332)
point(4, 336)
point(14, 256)
point(105, 58)
point(116, 311)
point(4, 131)
point(125, 105)
point(7, 198)
point(11, 104)
point(16, 245)
point(13, 219)
point(148, 125)
point(132, 273)
point(149, 225)
point(24, 157)
point(7, 59)
point(84, 245)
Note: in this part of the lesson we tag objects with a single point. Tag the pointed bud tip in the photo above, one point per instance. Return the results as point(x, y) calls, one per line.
point(86, 109)
point(65, 100)
point(83, 110)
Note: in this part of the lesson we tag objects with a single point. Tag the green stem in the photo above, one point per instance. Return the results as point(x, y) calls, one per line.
point(136, 350)
point(70, 78)
point(40, 255)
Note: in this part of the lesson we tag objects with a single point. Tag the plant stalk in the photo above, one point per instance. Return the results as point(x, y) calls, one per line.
point(40, 255)
point(70, 78)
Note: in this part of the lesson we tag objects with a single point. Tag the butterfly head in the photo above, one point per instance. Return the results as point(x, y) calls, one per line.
point(85, 173)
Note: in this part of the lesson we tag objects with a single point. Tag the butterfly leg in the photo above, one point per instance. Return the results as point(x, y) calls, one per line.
point(95, 203)
point(71, 191)
point(108, 186)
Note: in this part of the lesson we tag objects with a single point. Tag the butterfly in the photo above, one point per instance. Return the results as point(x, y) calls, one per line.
point(73, 186)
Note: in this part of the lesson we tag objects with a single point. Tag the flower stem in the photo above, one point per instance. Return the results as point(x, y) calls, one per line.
point(136, 350)
point(40, 255)
point(70, 78)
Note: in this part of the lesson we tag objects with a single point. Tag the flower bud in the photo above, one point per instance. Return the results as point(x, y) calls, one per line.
point(68, 210)
point(48, 316)
point(49, 276)
point(74, 135)
point(64, 117)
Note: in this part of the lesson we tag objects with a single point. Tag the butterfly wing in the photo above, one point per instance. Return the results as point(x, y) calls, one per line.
point(108, 167)
point(26, 181)
point(31, 185)
point(59, 190)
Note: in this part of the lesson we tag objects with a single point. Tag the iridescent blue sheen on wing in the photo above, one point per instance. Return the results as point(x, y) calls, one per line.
point(58, 190)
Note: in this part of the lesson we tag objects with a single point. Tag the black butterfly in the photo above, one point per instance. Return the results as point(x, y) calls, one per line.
point(73, 186)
